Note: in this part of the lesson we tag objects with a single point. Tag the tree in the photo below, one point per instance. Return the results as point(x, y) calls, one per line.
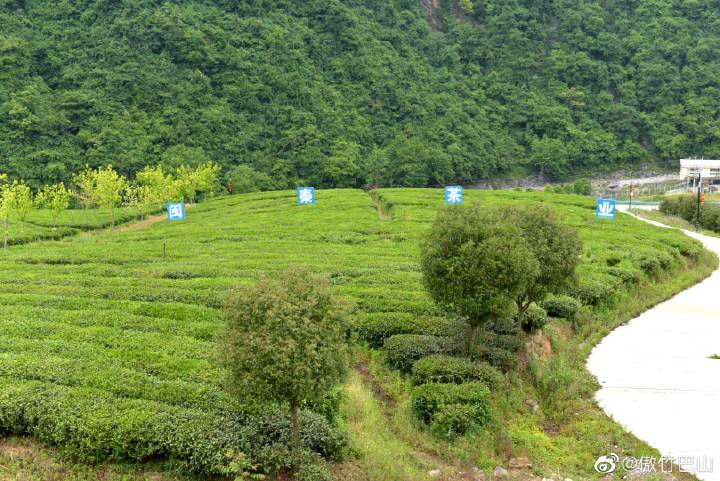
point(154, 188)
point(6, 204)
point(476, 262)
point(204, 179)
point(284, 341)
point(56, 198)
point(109, 188)
point(22, 200)
point(555, 246)
point(86, 192)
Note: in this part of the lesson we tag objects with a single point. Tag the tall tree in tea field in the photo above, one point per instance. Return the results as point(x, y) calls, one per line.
point(285, 341)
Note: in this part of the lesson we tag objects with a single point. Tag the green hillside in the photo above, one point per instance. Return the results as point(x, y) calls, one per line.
point(108, 351)
point(347, 93)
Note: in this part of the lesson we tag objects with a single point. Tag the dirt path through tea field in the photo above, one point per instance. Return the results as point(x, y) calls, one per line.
point(658, 379)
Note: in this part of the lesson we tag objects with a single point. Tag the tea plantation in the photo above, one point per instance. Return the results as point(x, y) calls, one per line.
point(108, 351)
point(40, 223)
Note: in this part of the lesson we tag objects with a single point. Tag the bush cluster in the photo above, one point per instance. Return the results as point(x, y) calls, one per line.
point(375, 328)
point(534, 319)
point(498, 350)
point(452, 409)
point(402, 350)
point(92, 426)
point(596, 289)
point(685, 207)
point(561, 306)
point(448, 369)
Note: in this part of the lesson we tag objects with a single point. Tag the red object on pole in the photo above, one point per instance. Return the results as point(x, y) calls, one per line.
point(702, 198)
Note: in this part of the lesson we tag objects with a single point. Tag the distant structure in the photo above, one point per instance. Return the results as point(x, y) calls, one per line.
point(708, 169)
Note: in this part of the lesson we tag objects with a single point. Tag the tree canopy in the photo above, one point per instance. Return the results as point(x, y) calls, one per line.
point(285, 341)
point(339, 93)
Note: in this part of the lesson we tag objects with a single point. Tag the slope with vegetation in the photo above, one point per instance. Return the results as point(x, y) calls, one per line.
point(109, 351)
point(356, 92)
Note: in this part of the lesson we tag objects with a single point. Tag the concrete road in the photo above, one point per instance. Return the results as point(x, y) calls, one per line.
point(658, 379)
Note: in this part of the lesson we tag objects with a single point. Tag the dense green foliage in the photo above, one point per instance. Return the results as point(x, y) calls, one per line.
point(685, 206)
point(449, 369)
point(562, 306)
point(352, 92)
point(477, 262)
point(285, 341)
point(452, 409)
point(99, 335)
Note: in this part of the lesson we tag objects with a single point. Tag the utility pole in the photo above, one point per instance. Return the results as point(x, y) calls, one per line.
point(699, 191)
point(631, 193)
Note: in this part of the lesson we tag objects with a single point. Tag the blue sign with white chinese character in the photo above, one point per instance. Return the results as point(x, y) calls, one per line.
point(454, 195)
point(306, 195)
point(606, 209)
point(176, 211)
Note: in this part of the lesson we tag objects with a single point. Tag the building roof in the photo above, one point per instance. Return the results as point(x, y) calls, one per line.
point(702, 163)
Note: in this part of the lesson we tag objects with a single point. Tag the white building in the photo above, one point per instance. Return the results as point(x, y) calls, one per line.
point(708, 169)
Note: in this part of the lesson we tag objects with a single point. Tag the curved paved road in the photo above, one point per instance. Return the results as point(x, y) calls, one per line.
point(657, 378)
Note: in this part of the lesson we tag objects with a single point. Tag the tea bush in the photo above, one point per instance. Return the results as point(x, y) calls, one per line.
point(561, 306)
point(375, 328)
point(430, 399)
point(534, 319)
point(402, 350)
point(448, 369)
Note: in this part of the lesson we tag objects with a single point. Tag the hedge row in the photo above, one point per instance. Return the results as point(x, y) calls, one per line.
point(454, 370)
point(92, 426)
point(452, 409)
point(376, 328)
point(402, 350)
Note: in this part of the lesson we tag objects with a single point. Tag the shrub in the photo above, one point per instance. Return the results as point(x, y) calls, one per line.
point(596, 290)
point(650, 265)
point(93, 426)
point(403, 350)
point(582, 187)
point(498, 357)
point(534, 319)
point(429, 399)
point(376, 328)
point(448, 369)
point(629, 277)
point(498, 350)
point(456, 419)
point(561, 306)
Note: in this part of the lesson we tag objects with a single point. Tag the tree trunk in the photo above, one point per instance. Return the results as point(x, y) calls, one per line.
point(471, 337)
point(522, 308)
point(294, 416)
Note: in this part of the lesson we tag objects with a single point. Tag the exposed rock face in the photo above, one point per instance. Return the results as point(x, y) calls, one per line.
point(433, 11)
point(500, 473)
point(520, 463)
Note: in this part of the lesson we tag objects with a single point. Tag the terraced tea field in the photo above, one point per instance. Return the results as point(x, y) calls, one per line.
point(107, 349)
point(40, 223)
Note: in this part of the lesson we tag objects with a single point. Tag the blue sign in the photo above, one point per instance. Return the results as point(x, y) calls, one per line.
point(606, 209)
point(306, 195)
point(176, 211)
point(454, 195)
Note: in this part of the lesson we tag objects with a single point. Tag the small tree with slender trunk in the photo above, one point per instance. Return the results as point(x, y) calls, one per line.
point(109, 189)
point(55, 198)
point(475, 262)
point(7, 201)
point(285, 341)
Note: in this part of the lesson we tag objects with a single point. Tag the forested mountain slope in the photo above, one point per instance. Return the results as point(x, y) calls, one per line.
point(356, 92)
